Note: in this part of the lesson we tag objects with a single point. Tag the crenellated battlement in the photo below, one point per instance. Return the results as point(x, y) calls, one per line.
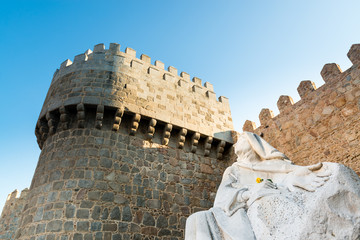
point(113, 59)
point(308, 92)
point(119, 80)
point(11, 212)
point(129, 149)
point(324, 116)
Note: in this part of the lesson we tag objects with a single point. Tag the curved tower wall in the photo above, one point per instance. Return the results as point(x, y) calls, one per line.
point(129, 150)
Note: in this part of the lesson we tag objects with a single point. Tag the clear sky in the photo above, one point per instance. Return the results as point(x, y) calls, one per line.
point(251, 51)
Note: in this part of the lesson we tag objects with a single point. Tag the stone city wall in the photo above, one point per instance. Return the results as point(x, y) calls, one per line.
point(325, 124)
point(130, 150)
point(11, 213)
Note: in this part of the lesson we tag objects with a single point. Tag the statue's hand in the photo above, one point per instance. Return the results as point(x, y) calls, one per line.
point(259, 190)
point(306, 178)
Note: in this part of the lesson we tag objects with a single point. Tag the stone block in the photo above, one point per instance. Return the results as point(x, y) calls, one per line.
point(168, 77)
point(87, 204)
point(185, 76)
point(209, 86)
point(39, 214)
point(40, 228)
point(152, 231)
point(106, 162)
point(85, 183)
point(126, 214)
point(65, 64)
point(99, 236)
point(109, 227)
point(99, 48)
point(224, 100)
point(196, 88)
point(116, 237)
point(159, 64)
point(197, 81)
point(123, 227)
point(78, 236)
point(108, 197)
point(96, 213)
point(114, 48)
point(153, 71)
point(54, 226)
point(105, 214)
point(88, 236)
point(164, 232)
point(354, 54)
point(131, 52)
point(249, 126)
point(330, 71)
point(284, 102)
point(70, 211)
point(265, 116)
point(50, 237)
point(115, 214)
point(69, 226)
point(69, 184)
point(136, 64)
point(96, 226)
point(82, 213)
point(183, 83)
point(306, 87)
point(148, 219)
point(48, 215)
point(80, 58)
point(82, 226)
point(153, 203)
point(162, 222)
point(145, 58)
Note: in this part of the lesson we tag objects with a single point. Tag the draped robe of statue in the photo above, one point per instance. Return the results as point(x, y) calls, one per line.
point(238, 189)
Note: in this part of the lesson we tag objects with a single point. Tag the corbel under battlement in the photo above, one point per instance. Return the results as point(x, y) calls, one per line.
point(134, 124)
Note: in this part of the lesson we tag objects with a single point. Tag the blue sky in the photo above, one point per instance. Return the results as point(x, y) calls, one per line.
point(251, 51)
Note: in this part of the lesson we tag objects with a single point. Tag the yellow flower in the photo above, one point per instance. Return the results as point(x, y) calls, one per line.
point(259, 180)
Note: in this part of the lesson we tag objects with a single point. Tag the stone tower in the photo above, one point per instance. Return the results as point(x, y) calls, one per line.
point(129, 150)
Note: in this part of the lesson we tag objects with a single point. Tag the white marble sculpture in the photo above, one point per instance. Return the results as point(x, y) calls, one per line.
point(292, 202)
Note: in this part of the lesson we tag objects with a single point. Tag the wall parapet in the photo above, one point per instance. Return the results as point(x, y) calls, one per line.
point(11, 212)
point(307, 90)
point(113, 59)
point(324, 123)
point(113, 78)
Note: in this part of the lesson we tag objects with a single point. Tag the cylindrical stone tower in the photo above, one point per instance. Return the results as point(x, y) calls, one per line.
point(129, 150)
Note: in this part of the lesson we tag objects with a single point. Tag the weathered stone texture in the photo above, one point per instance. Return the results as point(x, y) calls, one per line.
point(324, 125)
point(11, 214)
point(115, 79)
point(150, 185)
point(129, 150)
